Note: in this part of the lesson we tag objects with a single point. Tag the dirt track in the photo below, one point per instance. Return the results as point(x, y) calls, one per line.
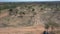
point(36, 30)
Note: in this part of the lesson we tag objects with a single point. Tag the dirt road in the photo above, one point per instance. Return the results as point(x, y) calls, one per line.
point(18, 30)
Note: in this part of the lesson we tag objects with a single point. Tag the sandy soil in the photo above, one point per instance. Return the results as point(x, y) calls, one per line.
point(18, 30)
point(3, 15)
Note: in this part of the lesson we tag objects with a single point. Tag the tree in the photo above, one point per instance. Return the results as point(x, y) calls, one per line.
point(0, 9)
point(46, 25)
point(10, 11)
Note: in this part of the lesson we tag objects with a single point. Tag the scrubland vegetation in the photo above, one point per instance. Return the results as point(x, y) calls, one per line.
point(24, 14)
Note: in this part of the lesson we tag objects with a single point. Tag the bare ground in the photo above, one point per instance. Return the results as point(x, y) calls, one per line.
point(18, 30)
